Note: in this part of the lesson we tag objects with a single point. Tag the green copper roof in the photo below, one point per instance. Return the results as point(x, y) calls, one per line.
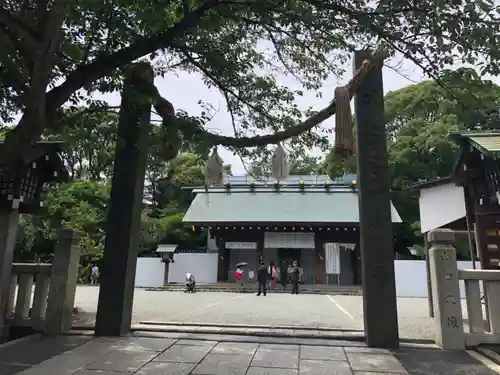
point(289, 205)
point(487, 142)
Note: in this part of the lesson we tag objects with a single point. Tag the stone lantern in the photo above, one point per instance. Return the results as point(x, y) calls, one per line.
point(20, 194)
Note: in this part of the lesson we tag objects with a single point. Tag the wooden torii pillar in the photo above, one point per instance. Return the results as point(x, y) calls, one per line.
point(377, 254)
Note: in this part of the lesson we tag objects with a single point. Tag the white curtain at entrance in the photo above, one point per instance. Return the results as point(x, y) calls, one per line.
point(273, 240)
point(332, 258)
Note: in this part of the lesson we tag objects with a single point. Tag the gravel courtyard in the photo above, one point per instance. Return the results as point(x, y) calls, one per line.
point(311, 311)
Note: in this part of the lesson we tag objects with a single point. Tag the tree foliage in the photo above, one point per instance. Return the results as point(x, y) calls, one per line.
point(58, 53)
point(419, 119)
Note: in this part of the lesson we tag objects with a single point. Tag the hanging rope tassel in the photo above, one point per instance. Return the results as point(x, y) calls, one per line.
point(279, 164)
point(214, 169)
point(344, 143)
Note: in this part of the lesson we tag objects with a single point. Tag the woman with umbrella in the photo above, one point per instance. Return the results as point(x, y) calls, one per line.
point(239, 272)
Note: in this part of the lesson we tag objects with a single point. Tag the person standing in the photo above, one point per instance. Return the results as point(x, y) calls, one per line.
point(239, 276)
point(295, 276)
point(94, 275)
point(272, 275)
point(283, 274)
point(262, 276)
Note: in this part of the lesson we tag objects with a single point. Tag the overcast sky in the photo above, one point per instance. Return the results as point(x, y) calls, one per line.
point(185, 89)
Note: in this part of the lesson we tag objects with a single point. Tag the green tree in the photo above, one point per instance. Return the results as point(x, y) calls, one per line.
point(419, 119)
point(459, 96)
point(88, 143)
point(175, 232)
point(307, 165)
point(80, 205)
point(186, 170)
point(57, 53)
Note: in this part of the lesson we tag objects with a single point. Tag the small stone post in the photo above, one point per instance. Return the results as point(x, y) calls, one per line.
point(63, 281)
point(448, 321)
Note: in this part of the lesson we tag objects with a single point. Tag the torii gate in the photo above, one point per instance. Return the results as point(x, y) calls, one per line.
point(377, 256)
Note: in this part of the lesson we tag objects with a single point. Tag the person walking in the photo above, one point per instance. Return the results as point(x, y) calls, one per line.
point(283, 274)
point(295, 276)
point(262, 276)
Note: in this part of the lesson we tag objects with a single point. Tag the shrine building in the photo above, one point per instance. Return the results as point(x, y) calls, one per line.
point(310, 219)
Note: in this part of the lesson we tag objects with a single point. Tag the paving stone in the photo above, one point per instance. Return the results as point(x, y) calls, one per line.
point(223, 364)
point(276, 358)
point(159, 335)
point(39, 348)
point(196, 343)
point(65, 364)
point(357, 349)
point(96, 348)
point(184, 354)
point(239, 348)
point(164, 368)
point(378, 373)
point(312, 367)
point(271, 371)
point(432, 362)
point(11, 369)
point(122, 360)
point(98, 372)
point(375, 362)
point(279, 347)
point(116, 340)
point(150, 344)
point(349, 343)
point(325, 353)
point(325, 342)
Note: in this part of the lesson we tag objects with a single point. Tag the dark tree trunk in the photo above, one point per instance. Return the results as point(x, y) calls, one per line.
point(114, 313)
point(376, 245)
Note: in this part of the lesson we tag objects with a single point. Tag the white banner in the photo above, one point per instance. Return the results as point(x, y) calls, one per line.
point(332, 258)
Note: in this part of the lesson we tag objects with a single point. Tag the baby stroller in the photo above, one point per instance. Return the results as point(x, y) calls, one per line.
point(190, 283)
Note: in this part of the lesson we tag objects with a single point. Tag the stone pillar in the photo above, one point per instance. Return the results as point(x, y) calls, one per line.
point(448, 322)
point(63, 280)
point(9, 220)
point(117, 273)
point(377, 253)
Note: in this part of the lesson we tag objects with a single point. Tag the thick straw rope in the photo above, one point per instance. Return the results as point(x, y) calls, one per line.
point(344, 135)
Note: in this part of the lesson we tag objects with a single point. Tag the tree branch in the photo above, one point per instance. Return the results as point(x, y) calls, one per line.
point(16, 26)
point(166, 111)
point(105, 64)
point(19, 35)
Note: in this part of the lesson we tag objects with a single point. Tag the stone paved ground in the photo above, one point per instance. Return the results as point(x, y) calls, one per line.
point(312, 311)
point(188, 355)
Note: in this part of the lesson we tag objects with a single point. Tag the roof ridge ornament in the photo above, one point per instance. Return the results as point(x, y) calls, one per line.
point(279, 164)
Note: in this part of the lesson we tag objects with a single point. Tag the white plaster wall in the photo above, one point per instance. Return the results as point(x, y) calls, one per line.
point(150, 273)
point(411, 277)
point(203, 266)
point(440, 205)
